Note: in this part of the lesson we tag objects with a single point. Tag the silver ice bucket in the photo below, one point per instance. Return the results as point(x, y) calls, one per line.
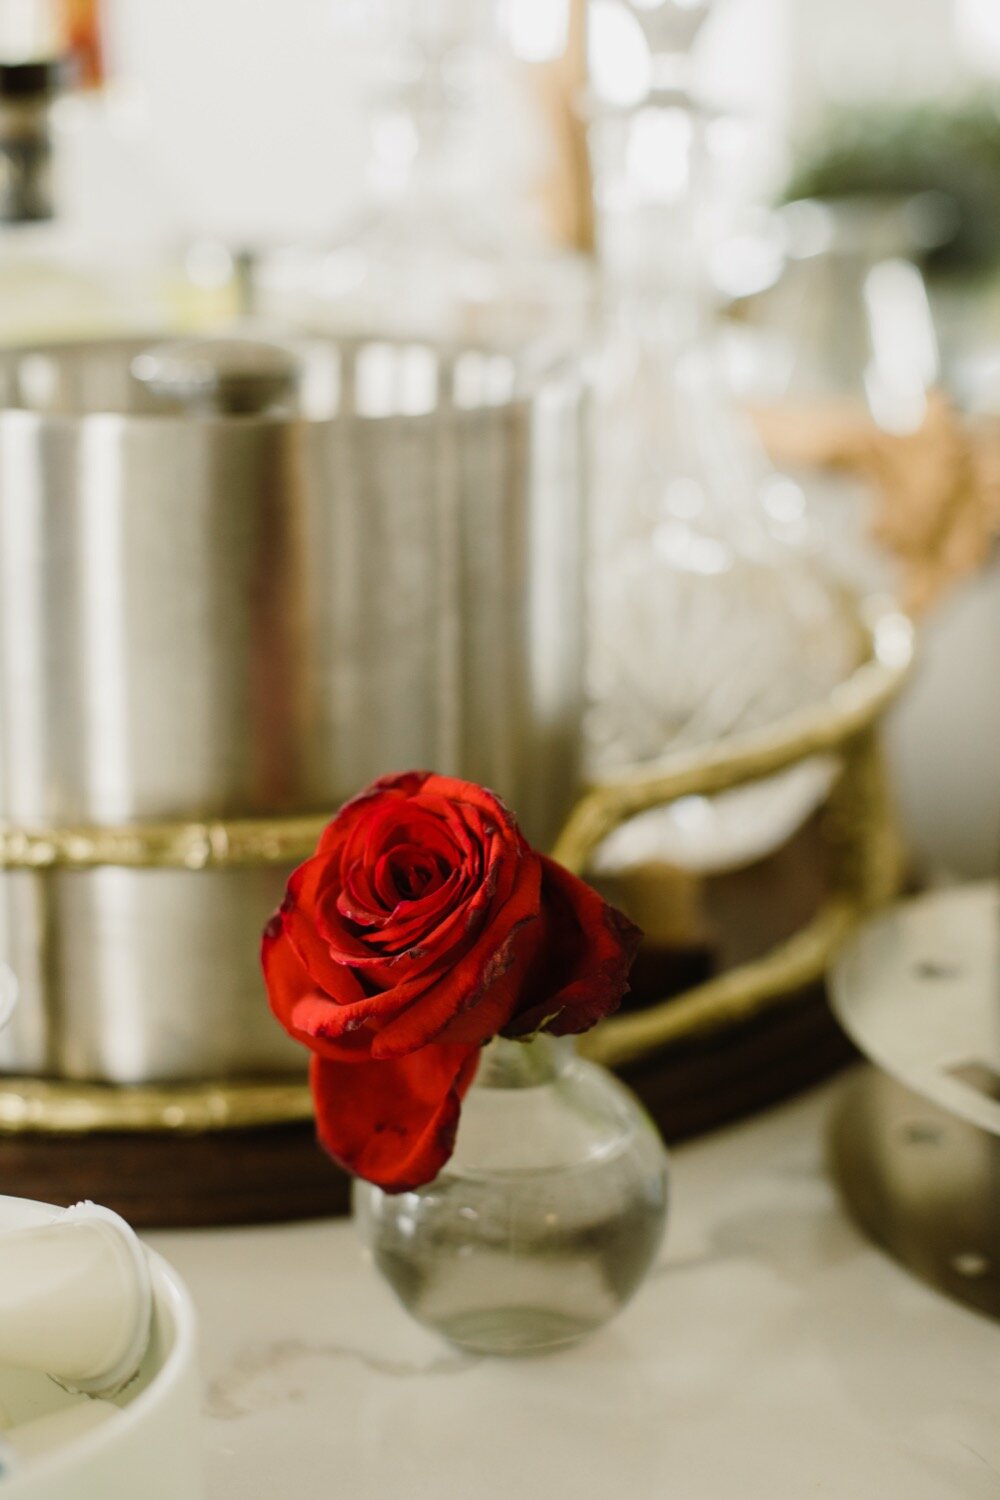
point(238, 580)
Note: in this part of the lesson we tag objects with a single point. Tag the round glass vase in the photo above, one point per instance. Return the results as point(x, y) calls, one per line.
point(546, 1220)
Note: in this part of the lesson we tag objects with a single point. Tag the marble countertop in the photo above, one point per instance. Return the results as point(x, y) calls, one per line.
point(773, 1354)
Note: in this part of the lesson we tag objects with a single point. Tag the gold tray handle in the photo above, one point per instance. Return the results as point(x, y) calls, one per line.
point(867, 871)
point(860, 821)
point(868, 865)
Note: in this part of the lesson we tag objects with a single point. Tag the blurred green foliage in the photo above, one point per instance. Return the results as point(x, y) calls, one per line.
point(890, 150)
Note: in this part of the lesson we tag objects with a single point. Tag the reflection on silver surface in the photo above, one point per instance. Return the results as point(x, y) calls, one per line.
point(214, 615)
point(915, 1143)
point(179, 951)
point(923, 1183)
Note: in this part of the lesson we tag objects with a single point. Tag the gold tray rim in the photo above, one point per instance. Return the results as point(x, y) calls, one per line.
point(50, 1106)
point(869, 875)
point(221, 843)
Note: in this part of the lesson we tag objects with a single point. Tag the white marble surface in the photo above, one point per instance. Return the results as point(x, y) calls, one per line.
point(774, 1354)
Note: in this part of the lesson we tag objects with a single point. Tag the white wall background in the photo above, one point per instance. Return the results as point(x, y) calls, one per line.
point(239, 118)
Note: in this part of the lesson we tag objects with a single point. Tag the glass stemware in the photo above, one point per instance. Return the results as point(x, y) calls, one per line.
point(440, 249)
point(709, 619)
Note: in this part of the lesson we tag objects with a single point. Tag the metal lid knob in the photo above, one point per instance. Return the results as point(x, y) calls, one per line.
point(220, 375)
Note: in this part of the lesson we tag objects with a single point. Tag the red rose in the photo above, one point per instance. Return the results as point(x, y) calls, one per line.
point(423, 926)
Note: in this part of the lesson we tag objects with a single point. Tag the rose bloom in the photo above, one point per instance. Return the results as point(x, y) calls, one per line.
point(423, 926)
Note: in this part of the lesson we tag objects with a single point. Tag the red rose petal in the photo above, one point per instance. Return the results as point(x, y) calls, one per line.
point(493, 967)
point(401, 953)
point(294, 997)
point(299, 915)
point(393, 1123)
point(374, 949)
point(452, 790)
point(583, 961)
point(359, 808)
point(315, 1017)
point(434, 935)
point(423, 926)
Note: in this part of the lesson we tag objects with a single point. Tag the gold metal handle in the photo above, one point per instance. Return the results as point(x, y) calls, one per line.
point(859, 822)
point(852, 707)
point(868, 863)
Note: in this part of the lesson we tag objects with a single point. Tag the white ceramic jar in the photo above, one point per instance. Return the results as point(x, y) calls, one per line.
point(146, 1442)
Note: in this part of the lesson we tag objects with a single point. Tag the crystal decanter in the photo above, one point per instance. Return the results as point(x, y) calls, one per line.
point(441, 246)
point(710, 618)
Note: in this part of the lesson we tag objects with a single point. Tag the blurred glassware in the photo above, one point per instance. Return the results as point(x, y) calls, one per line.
point(30, 29)
point(851, 397)
point(902, 483)
point(54, 282)
point(967, 320)
point(942, 737)
point(440, 249)
point(842, 341)
point(709, 620)
point(827, 306)
point(89, 241)
point(670, 29)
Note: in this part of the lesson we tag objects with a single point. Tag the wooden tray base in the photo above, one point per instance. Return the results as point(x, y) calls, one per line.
point(278, 1173)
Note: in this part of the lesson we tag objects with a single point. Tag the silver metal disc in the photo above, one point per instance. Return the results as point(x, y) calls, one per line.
point(918, 992)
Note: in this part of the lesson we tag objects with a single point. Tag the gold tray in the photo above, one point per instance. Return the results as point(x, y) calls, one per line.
point(859, 829)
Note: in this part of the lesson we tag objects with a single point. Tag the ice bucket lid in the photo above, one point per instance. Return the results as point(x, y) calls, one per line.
point(204, 377)
point(220, 374)
point(270, 376)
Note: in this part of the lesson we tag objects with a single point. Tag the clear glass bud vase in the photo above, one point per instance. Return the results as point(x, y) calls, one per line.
point(548, 1216)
